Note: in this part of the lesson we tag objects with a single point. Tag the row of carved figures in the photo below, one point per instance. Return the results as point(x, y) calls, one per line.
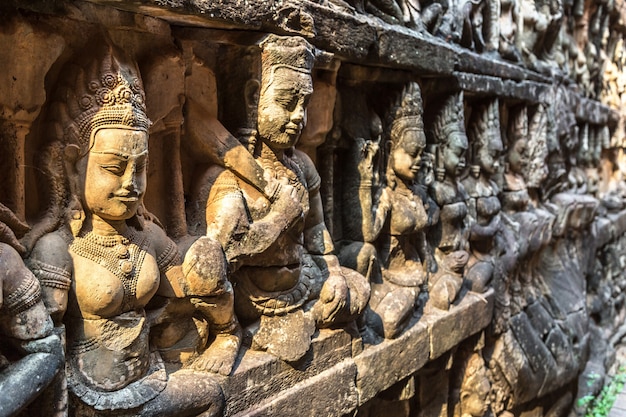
point(573, 38)
point(104, 277)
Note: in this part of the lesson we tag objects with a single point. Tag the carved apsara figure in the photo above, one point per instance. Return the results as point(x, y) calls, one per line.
point(391, 217)
point(33, 354)
point(539, 31)
point(483, 203)
point(279, 249)
point(508, 30)
point(531, 225)
point(450, 235)
point(107, 260)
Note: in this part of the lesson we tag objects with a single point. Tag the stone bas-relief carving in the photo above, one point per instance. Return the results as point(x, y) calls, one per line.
point(104, 264)
point(31, 353)
point(483, 192)
point(519, 247)
point(450, 234)
point(286, 276)
point(388, 218)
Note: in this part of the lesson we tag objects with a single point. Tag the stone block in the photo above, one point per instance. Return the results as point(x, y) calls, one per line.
point(259, 376)
point(537, 358)
point(540, 317)
point(330, 393)
point(468, 316)
point(382, 365)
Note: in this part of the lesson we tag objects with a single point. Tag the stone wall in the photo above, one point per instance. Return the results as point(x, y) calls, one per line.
point(351, 207)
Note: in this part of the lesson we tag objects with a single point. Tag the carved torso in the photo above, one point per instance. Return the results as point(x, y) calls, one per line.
point(407, 213)
point(515, 194)
point(484, 194)
point(107, 329)
point(450, 196)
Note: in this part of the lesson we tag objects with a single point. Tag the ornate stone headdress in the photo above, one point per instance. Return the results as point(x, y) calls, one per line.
point(291, 52)
point(104, 90)
point(537, 148)
point(449, 119)
point(484, 129)
point(406, 112)
point(518, 126)
point(474, 373)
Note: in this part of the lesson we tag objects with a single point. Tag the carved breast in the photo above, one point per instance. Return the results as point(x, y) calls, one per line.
point(407, 215)
point(487, 207)
point(110, 285)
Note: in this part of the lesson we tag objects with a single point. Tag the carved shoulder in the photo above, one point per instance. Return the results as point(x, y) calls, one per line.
point(165, 250)
point(312, 177)
point(52, 249)
point(52, 264)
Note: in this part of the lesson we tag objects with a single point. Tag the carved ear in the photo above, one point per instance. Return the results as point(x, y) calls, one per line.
point(252, 94)
point(72, 153)
point(464, 396)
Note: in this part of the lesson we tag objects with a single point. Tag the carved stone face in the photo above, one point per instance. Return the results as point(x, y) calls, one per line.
point(476, 402)
point(517, 157)
point(454, 154)
point(113, 173)
point(475, 393)
point(282, 107)
point(407, 157)
point(489, 157)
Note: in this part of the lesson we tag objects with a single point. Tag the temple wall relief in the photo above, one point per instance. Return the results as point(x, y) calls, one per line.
point(408, 208)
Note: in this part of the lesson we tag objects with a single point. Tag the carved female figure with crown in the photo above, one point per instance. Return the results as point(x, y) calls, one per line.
point(107, 260)
point(530, 225)
point(483, 203)
point(391, 217)
point(450, 234)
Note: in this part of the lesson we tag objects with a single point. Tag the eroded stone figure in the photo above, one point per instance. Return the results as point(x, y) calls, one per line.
point(391, 217)
point(287, 280)
point(531, 225)
point(539, 32)
point(475, 388)
point(34, 354)
point(450, 235)
point(508, 30)
point(107, 260)
point(483, 203)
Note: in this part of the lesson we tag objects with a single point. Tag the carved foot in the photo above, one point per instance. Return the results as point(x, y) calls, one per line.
point(444, 291)
point(221, 354)
point(391, 316)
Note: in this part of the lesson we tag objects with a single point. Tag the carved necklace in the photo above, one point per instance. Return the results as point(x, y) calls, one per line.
point(122, 255)
point(287, 168)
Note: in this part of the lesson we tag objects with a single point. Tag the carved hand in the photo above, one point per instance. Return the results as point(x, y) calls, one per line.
point(333, 297)
point(367, 149)
point(288, 203)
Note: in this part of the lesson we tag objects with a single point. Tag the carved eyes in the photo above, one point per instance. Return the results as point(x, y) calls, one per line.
point(119, 169)
point(115, 169)
point(289, 99)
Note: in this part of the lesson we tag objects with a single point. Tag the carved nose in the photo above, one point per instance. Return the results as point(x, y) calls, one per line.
point(297, 116)
point(129, 181)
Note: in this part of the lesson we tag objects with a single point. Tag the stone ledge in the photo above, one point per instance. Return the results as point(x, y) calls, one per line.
point(263, 385)
point(408, 353)
point(447, 329)
point(353, 37)
point(331, 393)
point(259, 377)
